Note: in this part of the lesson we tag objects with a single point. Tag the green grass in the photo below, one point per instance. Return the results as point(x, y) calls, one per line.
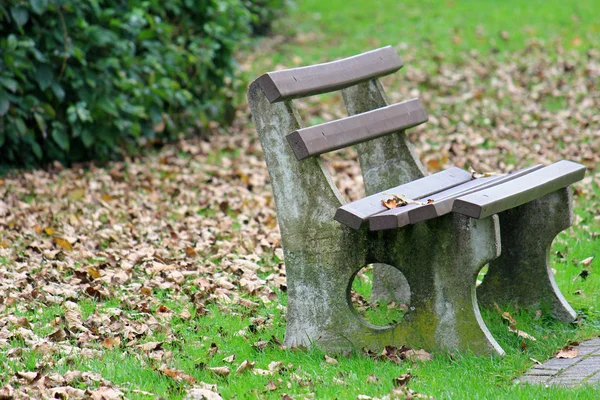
point(450, 27)
point(328, 30)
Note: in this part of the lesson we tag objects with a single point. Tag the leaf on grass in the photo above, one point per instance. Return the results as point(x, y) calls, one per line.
point(417, 355)
point(202, 394)
point(151, 346)
point(190, 252)
point(261, 345)
point(587, 261)
point(94, 273)
point(402, 380)
point(229, 359)
point(330, 360)
point(28, 376)
point(177, 375)
point(567, 352)
point(245, 366)
point(521, 333)
point(507, 317)
point(583, 275)
point(111, 342)
point(63, 243)
point(271, 386)
point(58, 335)
point(221, 371)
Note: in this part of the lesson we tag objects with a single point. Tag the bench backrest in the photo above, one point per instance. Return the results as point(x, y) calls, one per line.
point(305, 196)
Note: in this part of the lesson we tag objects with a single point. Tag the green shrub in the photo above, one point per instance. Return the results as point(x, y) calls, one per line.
point(95, 78)
point(264, 12)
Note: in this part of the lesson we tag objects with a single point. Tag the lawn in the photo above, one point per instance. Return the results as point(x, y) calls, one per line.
point(163, 273)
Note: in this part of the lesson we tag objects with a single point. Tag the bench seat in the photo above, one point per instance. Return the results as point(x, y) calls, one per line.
point(454, 190)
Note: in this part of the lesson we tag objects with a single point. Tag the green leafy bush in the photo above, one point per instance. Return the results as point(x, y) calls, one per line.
point(93, 79)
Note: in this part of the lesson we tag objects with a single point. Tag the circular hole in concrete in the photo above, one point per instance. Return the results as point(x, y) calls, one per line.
point(380, 294)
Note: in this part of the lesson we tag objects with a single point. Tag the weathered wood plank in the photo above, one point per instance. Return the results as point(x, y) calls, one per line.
point(354, 214)
point(444, 205)
point(358, 128)
point(519, 191)
point(328, 77)
point(400, 216)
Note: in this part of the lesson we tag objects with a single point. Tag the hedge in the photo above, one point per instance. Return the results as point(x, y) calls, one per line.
point(93, 79)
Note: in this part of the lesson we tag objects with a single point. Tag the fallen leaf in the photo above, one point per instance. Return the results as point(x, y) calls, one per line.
point(587, 261)
point(330, 360)
point(63, 243)
point(28, 376)
point(94, 273)
point(271, 386)
point(201, 394)
point(245, 366)
point(402, 380)
point(507, 317)
point(521, 333)
point(417, 355)
point(177, 375)
point(567, 352)
point(221, 371)
point(229, 359)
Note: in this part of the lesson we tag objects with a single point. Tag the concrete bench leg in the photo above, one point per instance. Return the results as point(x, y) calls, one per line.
point(522, 273)
point(440, 259)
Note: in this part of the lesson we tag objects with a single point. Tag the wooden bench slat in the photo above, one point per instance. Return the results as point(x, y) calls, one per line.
point(444, 205)
point(355, 213)
point(400, 216)
point(519, 191)
point(358, 128)
point(328, 77)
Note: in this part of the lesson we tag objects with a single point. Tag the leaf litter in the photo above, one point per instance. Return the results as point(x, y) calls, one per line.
point(200, 214)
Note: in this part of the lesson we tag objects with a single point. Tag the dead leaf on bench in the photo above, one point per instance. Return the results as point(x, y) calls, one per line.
point(567, 352)
point(477, 175)
point(400, 201)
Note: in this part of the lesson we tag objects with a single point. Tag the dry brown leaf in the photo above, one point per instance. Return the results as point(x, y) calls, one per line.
point(63, 243)
point(417, 355)
point(94, 273)
point(567, 352)
point(111, 342)
point(151, 346)
point(202, 394)
point(507, 317)
point(58, 335)
point(190, 252)
point(28, 376)
point(221, 371)
point(177, 375)
point(245, 366)
point(271, 386)
point(521, 333)
point(229, 359)
point(402, 380)
point(330, 360)
point(587, 261)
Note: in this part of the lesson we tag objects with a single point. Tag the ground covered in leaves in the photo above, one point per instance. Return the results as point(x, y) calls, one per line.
point(125, 260)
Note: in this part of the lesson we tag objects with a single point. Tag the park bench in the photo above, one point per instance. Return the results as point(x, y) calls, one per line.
point(508, 222)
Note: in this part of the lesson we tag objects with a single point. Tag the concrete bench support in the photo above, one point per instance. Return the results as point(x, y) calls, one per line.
point(522, 274)
point(440, 256)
